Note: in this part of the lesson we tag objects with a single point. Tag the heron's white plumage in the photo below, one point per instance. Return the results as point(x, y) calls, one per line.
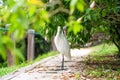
point(62, 44)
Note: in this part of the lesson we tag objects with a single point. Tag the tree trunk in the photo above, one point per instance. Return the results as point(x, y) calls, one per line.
point(115, 35)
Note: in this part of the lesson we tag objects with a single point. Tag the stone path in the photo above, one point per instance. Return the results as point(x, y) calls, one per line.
point(49, 68)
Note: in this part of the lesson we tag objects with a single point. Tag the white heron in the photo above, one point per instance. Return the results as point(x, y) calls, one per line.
point(62, 45)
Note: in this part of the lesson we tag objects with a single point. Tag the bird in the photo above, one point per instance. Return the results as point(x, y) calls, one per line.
point(62, 45)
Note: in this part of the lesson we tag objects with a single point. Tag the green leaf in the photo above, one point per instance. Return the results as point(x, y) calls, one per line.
point(115, 6)
point(5, 39)
point(72, 5)
point(32, 10)
point(43, 16)
point(88, 17)
point(42, 23)
point(18, 55)
point(88, 11)
point(77, 27)
point(80, 7)
point(10, 3)
point(2, 50)
point(103, 13)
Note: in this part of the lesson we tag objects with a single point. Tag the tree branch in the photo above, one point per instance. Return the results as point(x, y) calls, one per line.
point(59, 10)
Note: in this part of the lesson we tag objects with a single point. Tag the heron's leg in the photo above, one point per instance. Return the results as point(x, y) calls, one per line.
point(62, 67)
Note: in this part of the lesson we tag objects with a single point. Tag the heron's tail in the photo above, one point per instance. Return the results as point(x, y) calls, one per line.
point(68, 55)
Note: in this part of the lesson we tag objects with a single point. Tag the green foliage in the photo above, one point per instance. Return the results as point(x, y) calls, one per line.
point(104, 17)
point(19, 16)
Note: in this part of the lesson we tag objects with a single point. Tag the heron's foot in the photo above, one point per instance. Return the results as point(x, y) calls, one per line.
point(61, 69)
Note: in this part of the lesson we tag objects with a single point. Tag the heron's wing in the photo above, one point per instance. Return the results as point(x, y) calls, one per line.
point(57, 41)
point(65, 47)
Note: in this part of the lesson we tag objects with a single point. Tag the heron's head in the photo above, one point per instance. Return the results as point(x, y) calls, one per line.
point(65, 30)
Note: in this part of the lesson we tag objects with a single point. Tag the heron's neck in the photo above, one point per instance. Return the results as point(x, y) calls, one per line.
point(58, 33)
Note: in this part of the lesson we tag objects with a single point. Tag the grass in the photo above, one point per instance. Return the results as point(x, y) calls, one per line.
point(105, 74)
point(45, 56)
point(7, 70)
point(102, 64)
point(104, 49)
